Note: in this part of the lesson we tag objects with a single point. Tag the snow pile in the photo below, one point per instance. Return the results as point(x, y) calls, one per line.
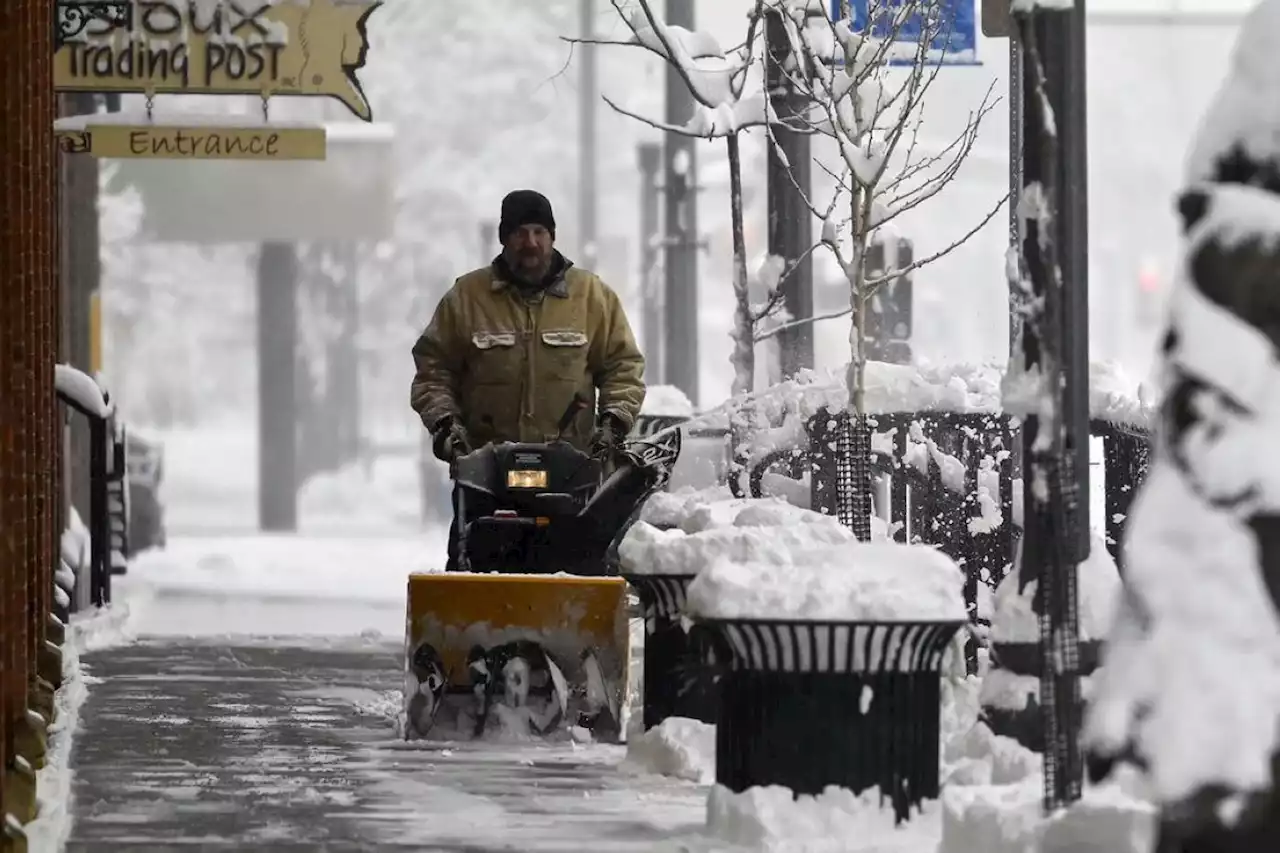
point(52, 827)
point(670, 509)
point(872, 581)
point(666, 401)
point(748, 537)
point(992, 801)
point(1115, 397)
point(1191, 673)
point(1097, 597)
point(1191, 682)
point(773, 818)
point(276, 585)
point(676, 747)
point(1010, 819)
point(360, 498)
point(889, 388)
point(107, 627)
point(925, 387)
point(694, 510)
point(1098, 593)
point(211, 481)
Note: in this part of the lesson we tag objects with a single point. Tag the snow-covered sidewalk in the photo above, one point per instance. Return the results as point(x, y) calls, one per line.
point(251, 746)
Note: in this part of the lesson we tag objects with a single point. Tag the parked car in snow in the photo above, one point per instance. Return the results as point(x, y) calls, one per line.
point(144, 458)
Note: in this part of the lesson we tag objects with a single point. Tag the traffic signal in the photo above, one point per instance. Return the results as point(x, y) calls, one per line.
point(889, 310)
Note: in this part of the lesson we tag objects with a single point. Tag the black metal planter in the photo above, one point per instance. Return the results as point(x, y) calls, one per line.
point(811, 704)
point(680, 666)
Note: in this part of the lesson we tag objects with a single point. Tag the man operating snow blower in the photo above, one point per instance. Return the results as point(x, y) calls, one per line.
point(529, 379)
point(512, 343)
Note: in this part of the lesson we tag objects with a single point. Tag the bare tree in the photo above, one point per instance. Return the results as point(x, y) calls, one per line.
point(717, 79)
point(867, 90)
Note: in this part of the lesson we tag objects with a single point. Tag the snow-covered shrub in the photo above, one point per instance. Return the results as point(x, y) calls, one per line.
point(1190, 688)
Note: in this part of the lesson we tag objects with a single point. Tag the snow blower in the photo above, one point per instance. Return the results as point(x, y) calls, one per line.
point(530, 636)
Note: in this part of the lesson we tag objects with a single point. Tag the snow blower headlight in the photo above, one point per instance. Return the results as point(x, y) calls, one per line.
point(526, 479)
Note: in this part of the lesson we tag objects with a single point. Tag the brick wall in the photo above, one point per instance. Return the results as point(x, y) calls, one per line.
point(28, 348)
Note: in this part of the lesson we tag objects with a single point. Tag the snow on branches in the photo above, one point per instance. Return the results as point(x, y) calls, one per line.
point(717, 81)
point(871, 112)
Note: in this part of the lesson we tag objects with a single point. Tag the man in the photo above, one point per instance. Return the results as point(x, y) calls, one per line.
point(510, 345)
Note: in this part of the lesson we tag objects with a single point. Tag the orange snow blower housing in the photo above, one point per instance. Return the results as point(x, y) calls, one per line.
point(532, 636)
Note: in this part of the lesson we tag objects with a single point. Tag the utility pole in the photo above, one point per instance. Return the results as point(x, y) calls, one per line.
point(790, 225)
point(680, 159)
point(650, 159)
point(587, 138)
point(1015, 187)
point(345, 358)
point(1055, 340)
point(488, 241)
point(277, 388)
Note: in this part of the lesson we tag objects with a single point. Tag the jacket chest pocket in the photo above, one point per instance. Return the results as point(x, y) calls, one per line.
point(495, 358)
point(563, 354)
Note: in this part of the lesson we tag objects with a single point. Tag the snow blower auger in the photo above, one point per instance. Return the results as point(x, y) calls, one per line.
point(531, 637)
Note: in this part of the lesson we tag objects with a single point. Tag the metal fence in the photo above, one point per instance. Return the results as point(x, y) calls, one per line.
point(29, 495)
point(946, 510)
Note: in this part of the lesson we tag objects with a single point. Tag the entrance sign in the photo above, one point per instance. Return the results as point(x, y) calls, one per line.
point(123, 136)
point(214, 47)
point(351, 195)
point(954, 36)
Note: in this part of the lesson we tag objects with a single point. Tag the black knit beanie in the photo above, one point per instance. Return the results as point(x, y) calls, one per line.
point(525, 207)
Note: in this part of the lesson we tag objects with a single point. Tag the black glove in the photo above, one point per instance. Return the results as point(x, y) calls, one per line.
point(609, 436)
point(449, 440)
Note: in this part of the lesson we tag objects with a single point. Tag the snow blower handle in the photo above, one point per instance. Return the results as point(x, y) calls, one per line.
point(577, 404)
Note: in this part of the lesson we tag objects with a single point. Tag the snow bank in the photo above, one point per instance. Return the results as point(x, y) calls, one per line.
point(772, 818)
point(81, 388)
point(852, 580)
point(695, 510)
point(762, 530)
point(1011, 819)
point(676, 747)
point(1097, 596)
point(1118, 398)
point(104, 627)
point(277, 586)
point(992, 801)
point(670, 509)
point(357, 499)
point(52, 827)
point(666, 401)
point(923, 386)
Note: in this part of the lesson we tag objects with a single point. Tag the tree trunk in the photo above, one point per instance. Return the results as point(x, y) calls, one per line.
point(744, 344)
point(744, 358)
point(855, 378)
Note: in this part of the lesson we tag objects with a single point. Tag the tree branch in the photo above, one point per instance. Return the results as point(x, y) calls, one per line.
point(682, 130)
point(660, 32)
point(915, 265)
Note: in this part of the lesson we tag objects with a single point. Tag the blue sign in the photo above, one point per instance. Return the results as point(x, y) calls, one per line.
point(955, 35)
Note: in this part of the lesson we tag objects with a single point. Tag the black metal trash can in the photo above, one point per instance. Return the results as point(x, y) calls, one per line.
point(680, 666)
point(811, 704)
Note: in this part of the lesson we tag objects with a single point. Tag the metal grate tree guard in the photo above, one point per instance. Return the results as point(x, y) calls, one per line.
point(807, 704)
point(681, 670)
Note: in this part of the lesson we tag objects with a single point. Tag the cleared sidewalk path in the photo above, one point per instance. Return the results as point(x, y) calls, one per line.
point(196, 745)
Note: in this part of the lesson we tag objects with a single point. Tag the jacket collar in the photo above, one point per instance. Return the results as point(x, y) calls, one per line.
point(555, 283)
